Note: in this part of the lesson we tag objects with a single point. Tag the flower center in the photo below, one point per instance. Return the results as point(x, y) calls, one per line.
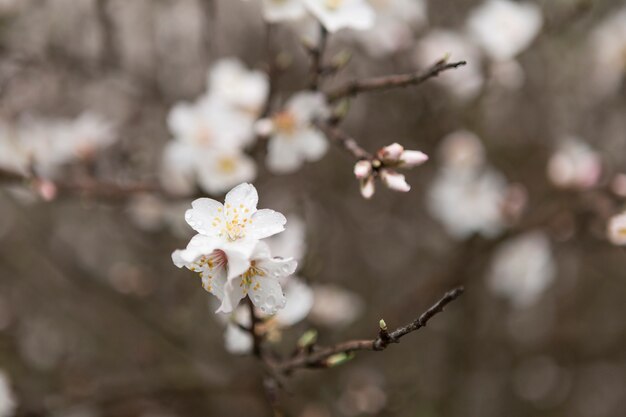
point(285, 122)
point(235, 227)
point(227, 165)
point(621, 232)
point(333, 4)
point(246, 277)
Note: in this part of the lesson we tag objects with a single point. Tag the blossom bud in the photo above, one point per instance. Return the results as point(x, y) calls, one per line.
point(362, 169)
point(307, 339)
point(617, 229)
point(394, 180)
point(367, 187)
point(339, 359)
point(391, 152)
point(383, 325)
point(410, 159)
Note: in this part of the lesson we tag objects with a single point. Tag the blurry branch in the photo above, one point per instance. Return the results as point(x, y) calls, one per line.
point(344, 140)
point(109, 51)
point(317, 58)
point(319, 358)
point(392, 81)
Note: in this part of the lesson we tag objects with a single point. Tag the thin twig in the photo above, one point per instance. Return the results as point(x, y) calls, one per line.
point(392, 81)
point(317, 59)
point(316, 359)
point(344, 140)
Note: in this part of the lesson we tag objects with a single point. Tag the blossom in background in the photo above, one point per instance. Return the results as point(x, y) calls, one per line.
point(7, 399)
point(574, 165)
point(464, 83)
point(228, 254)
point(335, 306)
point(210, 133)
point(340, 14)
point(46, 144)
point(504, 28)
point(384, 166)
point(281, 10)
point(229, 81)
point(293, 138)
point(616, 229)
point(522, 269)
point(467, 196)
point(393, 30)
point(299, 300)
point(606, 47)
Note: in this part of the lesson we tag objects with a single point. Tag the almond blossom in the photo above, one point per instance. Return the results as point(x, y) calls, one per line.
point(293, 137)
point(227, 253)
point(282, 10)
point(504, 28)
point(522, 269)
point(616, 229)
point(467, 195)
point(606, 47)
point(393, 30)
point(384, 166)
point(574, 165)
point(340, 14)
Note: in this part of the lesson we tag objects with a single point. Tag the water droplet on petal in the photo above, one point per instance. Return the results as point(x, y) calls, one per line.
point(271, 301)
point(257, 298)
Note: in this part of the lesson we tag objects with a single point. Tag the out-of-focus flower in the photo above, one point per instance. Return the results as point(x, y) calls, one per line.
point(335, 306)
point(219, 171)
point(291, 243)
point(394, 27)
point(464, 83)
point(574, 165)
point(281, 10)
point(467, 196)
point(387, 159)
point(504, 28)
point(607, 45)
point(363, 394)
point(232, 83)
point(616, 230)
point(522, 269)
point(340, 14)
point(293, 138)
point(8, 402)
point(299, 300)
point(227, 252)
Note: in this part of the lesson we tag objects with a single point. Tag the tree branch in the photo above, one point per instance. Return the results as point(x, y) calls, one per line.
point(344, 140)
point(392, 81)
point(317, 59)
point(317, 358)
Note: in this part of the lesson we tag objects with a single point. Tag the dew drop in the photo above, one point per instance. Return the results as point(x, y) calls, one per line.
point(257, 298)
point(271, 301)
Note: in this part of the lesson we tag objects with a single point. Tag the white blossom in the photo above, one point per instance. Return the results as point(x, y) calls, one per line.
point(616, 229)
point(232, 83)
point(393, 30)
point(227, 252)
point(465, 82)
point(574, 165)
point(606, 47)
point(8, 402)
point(340, 14)
point(291, 243)
point(504, 28)
point(522, 269)
point(294, 139)
point(281, 10)
point(335, 306)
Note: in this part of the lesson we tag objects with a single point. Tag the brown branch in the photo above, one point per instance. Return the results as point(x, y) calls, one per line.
point(347, 142)
point(392, 81)
point(317, 59)
point(317, 358)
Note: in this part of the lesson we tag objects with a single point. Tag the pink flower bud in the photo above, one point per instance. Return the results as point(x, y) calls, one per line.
point(391, 152)
point(362, 169)
point(46, 189)
point(394, 180)
point(410, 159)
point(367, 187)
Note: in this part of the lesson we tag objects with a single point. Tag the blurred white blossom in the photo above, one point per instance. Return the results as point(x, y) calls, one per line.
point(335, 306)
point(606, 47)
point(616, 229)
point(522, 268)
point(574, 165)
point(340, 14)
point(282, 10)
point(293, 138)
point(504, 28)
point(8, 403)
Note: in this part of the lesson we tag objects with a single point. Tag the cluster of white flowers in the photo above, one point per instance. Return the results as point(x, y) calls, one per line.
point(467, 195)
point(228, 252)
point(44, 145)
point(498, 30)
point(384, 165)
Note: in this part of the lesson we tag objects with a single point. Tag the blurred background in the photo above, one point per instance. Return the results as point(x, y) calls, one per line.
point(96, 321)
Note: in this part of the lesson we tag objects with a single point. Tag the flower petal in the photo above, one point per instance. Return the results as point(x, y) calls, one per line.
point(206, 216)
point(299, 302)
point(234, 291)
point(237, 341)
point(265, 223)
point(244, 194)
point(267, 294)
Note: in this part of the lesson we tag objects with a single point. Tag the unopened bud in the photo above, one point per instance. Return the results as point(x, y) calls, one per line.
point(362, 169)
point(394, 180)
point(391, 152)
point(409, 159)
point(339, 359)
point(307, 339)
point(341, 59)
point(382, 325)
point(367, 187)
